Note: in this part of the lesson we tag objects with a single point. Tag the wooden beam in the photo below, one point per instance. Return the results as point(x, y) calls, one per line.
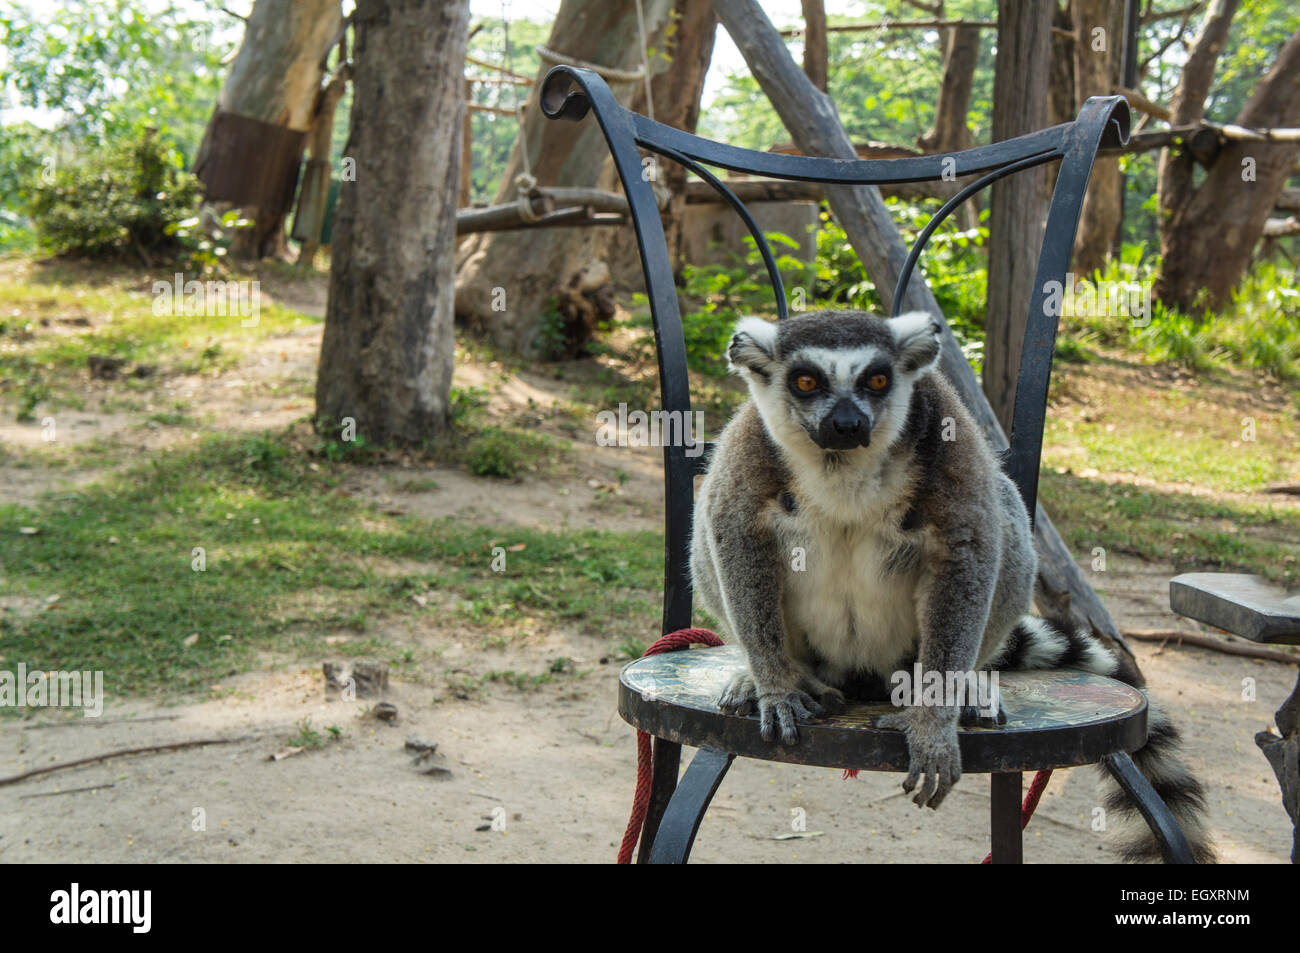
point(497, 110)
point(1141, 103)
point(1280, 227)
point(466, 150)
point(930, 23)
point(499, 69)
point(547, 207)
point(814, 44)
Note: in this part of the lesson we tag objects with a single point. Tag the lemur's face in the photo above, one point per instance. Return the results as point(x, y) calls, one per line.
point(837, 378)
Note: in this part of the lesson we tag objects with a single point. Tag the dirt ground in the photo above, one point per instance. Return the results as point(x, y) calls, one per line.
point(544, 775)
point(556, 768)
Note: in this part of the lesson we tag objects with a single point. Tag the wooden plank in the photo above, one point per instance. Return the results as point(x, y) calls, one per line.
point(1245, 605)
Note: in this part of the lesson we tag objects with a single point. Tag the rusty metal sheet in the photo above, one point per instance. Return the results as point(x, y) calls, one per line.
point(250, 163)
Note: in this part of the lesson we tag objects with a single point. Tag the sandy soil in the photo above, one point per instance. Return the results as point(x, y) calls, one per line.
point(553, 767)
point(557, 766)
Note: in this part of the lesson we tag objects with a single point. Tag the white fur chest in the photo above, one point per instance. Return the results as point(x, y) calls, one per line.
point(851, 598)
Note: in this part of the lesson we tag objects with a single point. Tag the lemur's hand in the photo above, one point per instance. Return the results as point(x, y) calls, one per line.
point(932, 751)
point(782, 706)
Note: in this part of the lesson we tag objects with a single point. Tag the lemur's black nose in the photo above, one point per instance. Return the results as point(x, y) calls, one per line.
point(845, 427)
point(845, 424)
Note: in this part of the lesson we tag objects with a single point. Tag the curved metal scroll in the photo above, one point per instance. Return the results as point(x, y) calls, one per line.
point(938, 218)
point(764, 248)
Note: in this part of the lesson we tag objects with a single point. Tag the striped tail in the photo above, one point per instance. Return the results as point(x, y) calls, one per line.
point(1043, 643)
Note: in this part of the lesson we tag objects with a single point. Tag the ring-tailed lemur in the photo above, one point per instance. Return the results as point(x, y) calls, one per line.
point(854, 521)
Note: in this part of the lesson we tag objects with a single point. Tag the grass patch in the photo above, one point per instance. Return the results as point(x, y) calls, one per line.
point(52, 321)
point(1192, 534)
point(248, 542)
point(1223, 435)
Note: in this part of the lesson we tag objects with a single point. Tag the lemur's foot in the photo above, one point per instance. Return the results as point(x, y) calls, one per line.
point(780, 710)
point(831, 699)
point(740, 697)
point(934, 759)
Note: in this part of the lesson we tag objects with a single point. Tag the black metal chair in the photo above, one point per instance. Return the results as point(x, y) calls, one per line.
point(1055, 719)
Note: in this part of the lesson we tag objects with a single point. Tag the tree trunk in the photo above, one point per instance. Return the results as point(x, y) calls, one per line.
point(313, 197)
point(1060, 93)
point(1210, 232)
point(507, 280)
point(950, 132)
point(676, 93)
point(255, 139)
point(814, 124)
point(387, 354)
point(1174, 187)
point(815, 48)
point(1018, 203)
point(1098, 56)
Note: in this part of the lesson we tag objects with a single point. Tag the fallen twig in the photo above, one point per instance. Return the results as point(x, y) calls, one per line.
point(92, 787)
point(148, 749)
point(1292, 489)
point(98, 722)
point(1210, 642)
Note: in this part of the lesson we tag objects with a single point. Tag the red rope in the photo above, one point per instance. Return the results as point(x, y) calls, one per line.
point(644, 760)
point(682, 638)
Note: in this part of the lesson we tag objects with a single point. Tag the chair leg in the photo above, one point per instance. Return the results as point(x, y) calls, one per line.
point(672, 842)
point(1004, 813)
point(1173, 844)
point(667, 762)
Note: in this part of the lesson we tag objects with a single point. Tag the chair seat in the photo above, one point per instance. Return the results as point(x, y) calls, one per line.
point(1056, 718)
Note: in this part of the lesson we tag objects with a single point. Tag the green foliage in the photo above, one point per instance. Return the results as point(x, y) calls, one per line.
point(309, 737)
point(493, 135)
point(1258, 329)
point(883, 82)
point(131, 196)
point(1176, 338)
point(714, 297)
point(23, 153)
point(106, 68)
point(552, 344)
point(87, 73)
point(506, 452)
point(494, 453)
point(466, 402)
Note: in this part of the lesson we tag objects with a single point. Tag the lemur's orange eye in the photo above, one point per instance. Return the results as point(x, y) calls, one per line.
point(878, 381)
point(805, 383)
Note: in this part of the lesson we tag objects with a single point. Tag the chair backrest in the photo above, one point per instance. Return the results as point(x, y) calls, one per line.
point(569, 93)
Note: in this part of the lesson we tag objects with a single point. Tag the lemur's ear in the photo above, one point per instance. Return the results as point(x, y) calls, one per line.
point(917, 336)
point(753, 347)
